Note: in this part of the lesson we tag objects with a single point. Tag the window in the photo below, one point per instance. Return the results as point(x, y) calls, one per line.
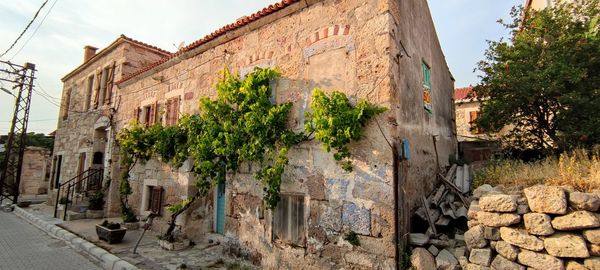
point(154, 204)
point(288, 219)
point(472, 117)
point(172, 111)
point(146, 115)
point(88, 93)
point(66, 105)
point(426, 87)
point(106, 85)
point(97, 89)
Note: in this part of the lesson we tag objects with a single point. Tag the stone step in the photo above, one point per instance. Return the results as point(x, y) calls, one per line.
point(72, 215)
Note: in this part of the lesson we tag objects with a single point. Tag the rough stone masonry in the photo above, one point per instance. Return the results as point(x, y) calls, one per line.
point(370, 49)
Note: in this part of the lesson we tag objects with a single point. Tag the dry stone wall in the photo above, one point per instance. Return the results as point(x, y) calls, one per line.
point(542, 227)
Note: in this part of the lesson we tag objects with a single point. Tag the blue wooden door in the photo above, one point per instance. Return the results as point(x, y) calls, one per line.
point(220, 211)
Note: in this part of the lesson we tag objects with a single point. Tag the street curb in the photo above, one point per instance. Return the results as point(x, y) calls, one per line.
point(109, 261)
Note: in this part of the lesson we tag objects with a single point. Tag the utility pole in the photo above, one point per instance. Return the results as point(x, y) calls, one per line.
point(21, 77)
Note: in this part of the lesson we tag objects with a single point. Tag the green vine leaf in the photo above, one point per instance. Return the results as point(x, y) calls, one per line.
point(336, 123)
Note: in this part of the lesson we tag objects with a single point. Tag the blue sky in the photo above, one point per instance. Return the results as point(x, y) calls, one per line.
point(463, 26)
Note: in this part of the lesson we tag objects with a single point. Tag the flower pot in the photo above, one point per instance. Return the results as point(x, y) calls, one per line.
point(110, 236)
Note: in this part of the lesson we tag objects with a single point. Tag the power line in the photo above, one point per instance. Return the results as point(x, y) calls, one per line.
point(24, 30)
point(35, 30)
point(36, 120)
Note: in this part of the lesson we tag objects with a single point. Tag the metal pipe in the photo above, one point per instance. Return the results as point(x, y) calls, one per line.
point(396, 202)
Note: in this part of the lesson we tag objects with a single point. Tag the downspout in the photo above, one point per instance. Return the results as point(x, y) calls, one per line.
point(396, 173)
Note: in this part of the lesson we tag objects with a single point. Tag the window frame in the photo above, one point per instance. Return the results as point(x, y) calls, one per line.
point(284, 209)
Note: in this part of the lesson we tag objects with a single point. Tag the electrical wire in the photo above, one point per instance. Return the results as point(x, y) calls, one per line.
point(35, 30)
point(24, 30)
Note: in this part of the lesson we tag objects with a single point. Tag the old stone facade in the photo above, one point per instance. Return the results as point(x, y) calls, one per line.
point(467, 111)
point(35, 172)
point(84, 127)
point(383, 51)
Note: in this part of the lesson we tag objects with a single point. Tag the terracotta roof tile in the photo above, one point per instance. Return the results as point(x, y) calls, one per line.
point(463, 93)
point(221, 31)
point(144, 44)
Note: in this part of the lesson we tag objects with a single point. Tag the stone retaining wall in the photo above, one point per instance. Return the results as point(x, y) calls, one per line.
point(541, 227)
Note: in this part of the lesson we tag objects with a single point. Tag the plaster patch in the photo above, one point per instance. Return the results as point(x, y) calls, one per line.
point(358, 219)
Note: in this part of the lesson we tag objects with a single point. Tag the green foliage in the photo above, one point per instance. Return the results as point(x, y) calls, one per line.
point(110, 225)
point(544, 81)
point(177, 207)
point(96, 201)
point(63, 200)
point(336, 123)
point(242, 125)
point(352, 238)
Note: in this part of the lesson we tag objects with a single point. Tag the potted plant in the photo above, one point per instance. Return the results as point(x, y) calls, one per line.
point(96, 205)
point(62, 201)
point(110, 232)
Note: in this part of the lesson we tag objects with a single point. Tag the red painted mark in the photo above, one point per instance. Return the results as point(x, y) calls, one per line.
point(336, 29)
point(346, 29)
point(325, 32)
point(188, 95)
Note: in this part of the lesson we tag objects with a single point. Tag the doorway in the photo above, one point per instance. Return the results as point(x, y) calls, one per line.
point(220, 209)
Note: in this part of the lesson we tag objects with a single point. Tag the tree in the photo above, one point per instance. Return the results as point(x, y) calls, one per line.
point(544, 84)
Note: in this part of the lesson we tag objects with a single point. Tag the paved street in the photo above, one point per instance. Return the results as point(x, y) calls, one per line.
point(23, 246)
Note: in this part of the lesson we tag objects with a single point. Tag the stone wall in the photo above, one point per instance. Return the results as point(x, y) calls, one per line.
point(540, 227)
point(414, 43)
point(87, 130)
point(349, 46)
point(35, 171)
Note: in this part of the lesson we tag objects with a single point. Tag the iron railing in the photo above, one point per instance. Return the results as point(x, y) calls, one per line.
point(83, 183)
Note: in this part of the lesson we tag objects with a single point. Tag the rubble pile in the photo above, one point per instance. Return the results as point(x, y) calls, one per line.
point(440, 223)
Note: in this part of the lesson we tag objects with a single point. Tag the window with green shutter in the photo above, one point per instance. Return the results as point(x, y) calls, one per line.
point(426, 88)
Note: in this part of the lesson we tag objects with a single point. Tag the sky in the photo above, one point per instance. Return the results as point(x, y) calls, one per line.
point(55, 41)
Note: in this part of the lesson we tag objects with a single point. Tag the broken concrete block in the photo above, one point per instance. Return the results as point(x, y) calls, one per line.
point(433, 250)
point(446, 261)
point(418, 239)
point(481, 256)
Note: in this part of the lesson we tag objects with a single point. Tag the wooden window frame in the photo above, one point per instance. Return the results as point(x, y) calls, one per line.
point(172, 114)
point(473, 126)
point(155, 199)
point(289, 221)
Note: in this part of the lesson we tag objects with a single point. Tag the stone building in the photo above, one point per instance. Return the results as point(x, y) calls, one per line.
point(35, 172)
point(386, 52)
point(83, 134)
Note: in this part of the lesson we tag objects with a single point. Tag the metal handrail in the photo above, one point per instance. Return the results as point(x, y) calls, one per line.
point(72, 184)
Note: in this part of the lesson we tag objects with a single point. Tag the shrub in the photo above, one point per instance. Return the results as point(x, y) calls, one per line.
point(579, 169)
point(110, 225)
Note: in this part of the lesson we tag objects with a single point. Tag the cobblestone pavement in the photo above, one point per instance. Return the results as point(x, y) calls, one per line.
point(23, 246)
